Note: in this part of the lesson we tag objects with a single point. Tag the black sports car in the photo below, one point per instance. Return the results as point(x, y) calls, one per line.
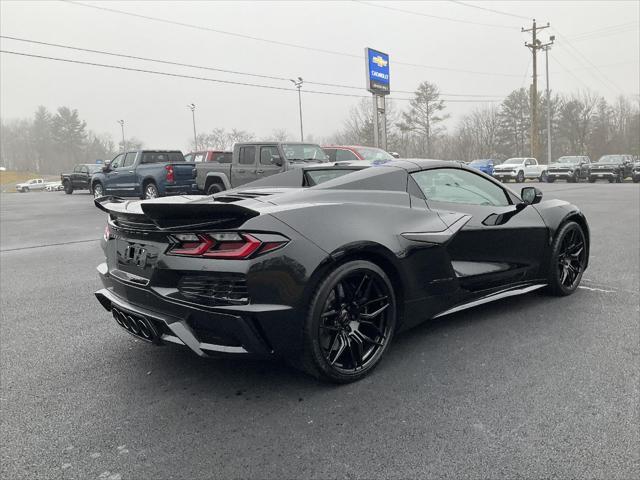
point(325, 276)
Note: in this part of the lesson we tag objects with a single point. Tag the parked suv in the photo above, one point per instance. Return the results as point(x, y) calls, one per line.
point(145, 174)
point(251, 161)
point(614, 168)
point(569, 168)
point(80, 178)
point(520, 169)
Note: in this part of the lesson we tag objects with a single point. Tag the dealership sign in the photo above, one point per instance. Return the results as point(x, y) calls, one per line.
point(377, 64)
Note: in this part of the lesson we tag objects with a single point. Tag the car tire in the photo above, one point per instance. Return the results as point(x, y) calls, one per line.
point(350, 323)
point(551, 179)
point(544, 177)
point(98, 190)
point(612, 179)
point(150, 191)
point(620, 178)
point(568, 260)
point(214, 188)
point(636, 179)
point(520, 177)
point(68, 188)
point(592, 179)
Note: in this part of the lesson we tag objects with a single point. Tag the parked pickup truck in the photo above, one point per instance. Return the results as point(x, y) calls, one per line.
point(80, 178)
point(145, 174)
point(251, 161)
point(520, 169)
point(614, 168)
point(569, 168)
point(220, 156)
point(33, 184)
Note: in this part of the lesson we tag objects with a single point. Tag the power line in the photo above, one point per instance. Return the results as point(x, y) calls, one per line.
point(277, 42)
point(428, 15)
point(606, 30)
point(616, 88)
point(216, 69)
point(490, 10)
point(227, 82)
point(569, 71)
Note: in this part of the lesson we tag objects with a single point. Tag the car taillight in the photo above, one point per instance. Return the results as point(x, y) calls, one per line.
point(170, 176)
point(107, 233)
point(224, 245)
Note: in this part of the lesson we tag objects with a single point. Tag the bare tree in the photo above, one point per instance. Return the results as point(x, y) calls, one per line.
point(424, 116)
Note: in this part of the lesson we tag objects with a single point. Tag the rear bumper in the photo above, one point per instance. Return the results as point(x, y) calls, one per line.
point(258, 330)
point(186, 189)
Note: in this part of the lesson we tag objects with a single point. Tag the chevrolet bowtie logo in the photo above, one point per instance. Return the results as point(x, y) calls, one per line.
point(378, 60)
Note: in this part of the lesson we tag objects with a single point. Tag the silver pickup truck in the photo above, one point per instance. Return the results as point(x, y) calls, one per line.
point(251, 161)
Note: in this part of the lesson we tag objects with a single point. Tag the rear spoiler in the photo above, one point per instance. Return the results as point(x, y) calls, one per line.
point(173, 215)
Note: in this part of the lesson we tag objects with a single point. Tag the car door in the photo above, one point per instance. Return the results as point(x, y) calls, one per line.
point(501, 243)
point(82, 180)
point(111, 182)
point(245, 170)
point(127, 181)
point(269, 162)
point(531, 169)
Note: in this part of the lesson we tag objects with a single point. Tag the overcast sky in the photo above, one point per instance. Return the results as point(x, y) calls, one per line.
point(482, 54)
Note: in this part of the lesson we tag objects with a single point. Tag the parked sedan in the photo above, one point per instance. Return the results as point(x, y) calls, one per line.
point(315, 276)
point(348, 153)
point(485, 166)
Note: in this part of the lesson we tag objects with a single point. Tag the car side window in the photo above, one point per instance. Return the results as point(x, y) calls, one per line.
point(84, 169)
point(115, 163)
point(267, 153)
point(188, 157)
point(345, 156)
point(459, 186)
point(199, 157)
point(129, 159)
point(247, 156)
point(76, 169)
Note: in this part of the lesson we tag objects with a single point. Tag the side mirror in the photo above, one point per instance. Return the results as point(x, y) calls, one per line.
point(276, 160)
point(530, 195)
point(106, 168)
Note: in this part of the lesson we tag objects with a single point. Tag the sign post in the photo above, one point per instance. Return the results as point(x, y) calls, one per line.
point(378, 83)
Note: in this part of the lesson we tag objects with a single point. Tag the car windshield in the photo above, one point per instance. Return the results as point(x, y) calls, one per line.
point(513, 161)
point(304, 152)
point(316, 177)
point(94, 168)
point(567, 160)
point(480, 162)
point(610, 159)
point(370, 153)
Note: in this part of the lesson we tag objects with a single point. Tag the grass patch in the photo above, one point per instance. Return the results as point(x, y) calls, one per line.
point(9, 178)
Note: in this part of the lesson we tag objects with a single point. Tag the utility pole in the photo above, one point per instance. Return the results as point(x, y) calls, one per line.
point(124, 144)
point(298, 84)
point(546, 47)
point(535, 45)
point(192, 106)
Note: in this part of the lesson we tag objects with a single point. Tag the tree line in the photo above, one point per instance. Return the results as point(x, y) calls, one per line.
point(53, 142)
point(582, 123)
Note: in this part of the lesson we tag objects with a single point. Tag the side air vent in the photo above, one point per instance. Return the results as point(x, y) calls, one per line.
point(215, 289)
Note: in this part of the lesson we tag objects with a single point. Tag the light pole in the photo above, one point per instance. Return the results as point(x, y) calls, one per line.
point(547, 46)
point(124, 145)
point(192, 106)
point(298, 83)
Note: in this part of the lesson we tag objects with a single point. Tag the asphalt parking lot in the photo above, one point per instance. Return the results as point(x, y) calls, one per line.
point(531, 386)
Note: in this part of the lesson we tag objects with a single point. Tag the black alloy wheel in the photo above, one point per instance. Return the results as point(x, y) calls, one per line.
point(592, 179)
point(520, 177)
point(350, 323)
point(544, 177)
point(68, 189)
point(613, 179)
point(620, 178)
point(214, 188)
point(568, 259)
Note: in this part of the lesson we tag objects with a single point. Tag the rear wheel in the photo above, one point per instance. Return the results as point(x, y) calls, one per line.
point(214, 188)
point(520, 177)
point(150, 191)
point(592, 179)
point(568, 260)
point(544, 177)
point(68, 188)
point(620, 178)
point(613, 179)
point(350, 323)
point(551, 179)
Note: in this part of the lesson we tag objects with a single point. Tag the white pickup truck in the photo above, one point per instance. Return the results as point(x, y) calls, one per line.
point(520, 169)
point(33, 184)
